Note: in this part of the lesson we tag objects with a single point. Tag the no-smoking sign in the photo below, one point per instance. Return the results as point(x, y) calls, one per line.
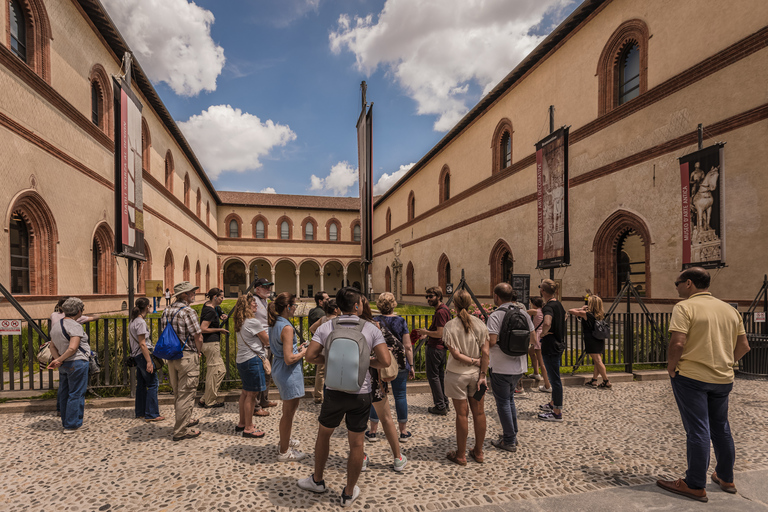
point(10, 327)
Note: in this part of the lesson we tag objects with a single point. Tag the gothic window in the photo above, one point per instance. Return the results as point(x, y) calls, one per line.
point(333, 232)
point(309, 231)
point(260, 229)
point(234, 231)
point(285, 230)
point(629, 73)
point(356, 233)
point(622, 69)
point(501, 146)
point(18, 30)
point(20, 249)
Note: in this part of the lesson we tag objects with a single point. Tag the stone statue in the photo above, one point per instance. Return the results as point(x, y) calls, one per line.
point(702, 201)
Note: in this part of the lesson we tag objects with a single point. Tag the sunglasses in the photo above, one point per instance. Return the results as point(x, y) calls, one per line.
point(678, 283)
point(429, 296)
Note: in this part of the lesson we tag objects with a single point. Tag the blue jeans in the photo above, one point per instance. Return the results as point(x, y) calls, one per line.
point(73, 383)
point(147, 405)
point(398, 392)
point(704, 410)
point(552, 364)
point(503, 387)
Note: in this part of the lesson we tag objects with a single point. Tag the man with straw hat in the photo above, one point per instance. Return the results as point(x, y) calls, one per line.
point(185, 372)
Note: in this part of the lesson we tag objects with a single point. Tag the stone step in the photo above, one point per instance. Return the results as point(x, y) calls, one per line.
point(645, 375)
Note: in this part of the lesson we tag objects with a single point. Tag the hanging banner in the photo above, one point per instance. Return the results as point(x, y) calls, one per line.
point(129, 207)
point(552, 200)
point(701, 178)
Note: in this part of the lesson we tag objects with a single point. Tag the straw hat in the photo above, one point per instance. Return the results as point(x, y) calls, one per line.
point(183, 287)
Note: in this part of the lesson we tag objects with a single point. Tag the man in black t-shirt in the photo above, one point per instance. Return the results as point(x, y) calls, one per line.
point(552, 348)
point(316, 314)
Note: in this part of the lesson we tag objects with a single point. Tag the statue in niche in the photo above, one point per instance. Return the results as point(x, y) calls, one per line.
point(397, 271)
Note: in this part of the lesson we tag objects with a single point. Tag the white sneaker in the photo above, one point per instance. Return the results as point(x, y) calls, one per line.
point(545, 390)
point(309, 484)
point(347, 500)
point(73, 430)
point(290, 456)
point(536, 376)
point(400, 463)
point(294, 443)
point(365, 462)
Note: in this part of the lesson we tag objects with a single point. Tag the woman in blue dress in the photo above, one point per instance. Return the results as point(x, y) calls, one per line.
point(286, 370)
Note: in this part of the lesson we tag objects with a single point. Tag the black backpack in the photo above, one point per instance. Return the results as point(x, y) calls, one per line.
point(514, 334)
point(601, 330)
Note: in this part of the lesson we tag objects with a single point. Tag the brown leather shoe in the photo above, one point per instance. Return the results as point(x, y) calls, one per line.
point(680, 487)
point(727, 487)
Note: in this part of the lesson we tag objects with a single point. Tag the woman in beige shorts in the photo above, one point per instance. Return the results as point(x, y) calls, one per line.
point(466, 338)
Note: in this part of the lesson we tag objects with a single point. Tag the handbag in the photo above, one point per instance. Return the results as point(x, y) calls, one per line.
point(93, 357)
point(267, 365)
point(44, 355)
point(389, 373)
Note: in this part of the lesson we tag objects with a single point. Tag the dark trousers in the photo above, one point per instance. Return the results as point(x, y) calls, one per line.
point(704, 411)
point(436, 376)
point(552, 364)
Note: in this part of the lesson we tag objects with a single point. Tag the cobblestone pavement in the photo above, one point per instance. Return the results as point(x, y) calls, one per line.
point(628, 436)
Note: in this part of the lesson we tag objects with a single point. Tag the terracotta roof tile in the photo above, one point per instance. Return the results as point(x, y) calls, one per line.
point(289, 201)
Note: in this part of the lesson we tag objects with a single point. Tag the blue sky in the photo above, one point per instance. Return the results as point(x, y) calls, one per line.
point(268, 92)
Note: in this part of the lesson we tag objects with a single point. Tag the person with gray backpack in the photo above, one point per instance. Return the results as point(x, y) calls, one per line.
point(345, 345)
point(511, 334)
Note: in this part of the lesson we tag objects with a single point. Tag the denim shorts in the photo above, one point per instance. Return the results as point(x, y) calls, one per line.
point(252, 374)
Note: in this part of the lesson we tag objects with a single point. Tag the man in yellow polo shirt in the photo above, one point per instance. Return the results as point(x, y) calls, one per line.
point(708, 338)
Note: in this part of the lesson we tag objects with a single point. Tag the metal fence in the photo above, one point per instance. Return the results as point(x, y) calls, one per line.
point(632, 342)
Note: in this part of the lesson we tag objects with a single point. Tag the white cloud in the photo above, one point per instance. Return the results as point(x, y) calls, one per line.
point(172, 41)
point(387, 180)
point(341, 178)
point(437, 49)
point(228, 139)
point(268, 190)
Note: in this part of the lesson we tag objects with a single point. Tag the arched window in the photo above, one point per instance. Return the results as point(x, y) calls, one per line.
point(185, 269)
point(309, 228)
point(168, 269)
point(261, 229)
point(187, 186)
point(445, 185)
point(332, 227)
point(18, 30)
point(96, 256)
point(388, 221)
point(622, 69)
point(33, 243)
point(97, 107)
point(443, 273)
point(501, 145)
point(197, 275)
point(387, 280)
point(208, 213)
point(29, 35)
point(411, 206)
point(101, 99)
point(622, 249)
point(20, 249)
point(207, 277)
point(409, 279)
point(285, 230)
point(198, 203)
point(233, 225)
point(146, 145)
point(502, 264)
point(234, 232)
point(356, 231)
point(104, 274)
point(169, 170)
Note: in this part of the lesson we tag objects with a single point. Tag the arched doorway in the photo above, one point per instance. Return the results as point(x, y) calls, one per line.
point(622, 248)
point(334, 275)
point(444, 273)
point(355, 275)
point(502, 264)
point(309, 275)
point(285, 276)
point(409, 286)
point(234, 278)
point(261, 268)
point(104, 275)
point(168, 268)
point(387, 280)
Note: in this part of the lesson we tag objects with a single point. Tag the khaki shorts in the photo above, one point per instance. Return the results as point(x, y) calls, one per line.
point(461, 386)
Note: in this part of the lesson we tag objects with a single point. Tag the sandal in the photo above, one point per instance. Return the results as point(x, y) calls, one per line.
point(606, 384)
point(193, 423)
point(271, 403)
point(159, 418)
point(592, 383)
point(257, 434)
point(261, 412)
point(478, 458)
point(189, 435)
point(453, 457)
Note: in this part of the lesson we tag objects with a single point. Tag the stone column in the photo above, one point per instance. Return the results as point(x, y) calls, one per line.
point(298, 283)
point(344, 279)
point(322, 279)
point(247, 277)
point(273, 275)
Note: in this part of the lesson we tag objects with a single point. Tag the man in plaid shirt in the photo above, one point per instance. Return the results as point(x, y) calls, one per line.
point(185, 372)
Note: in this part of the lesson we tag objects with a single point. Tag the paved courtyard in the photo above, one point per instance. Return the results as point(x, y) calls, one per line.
point(610, 441)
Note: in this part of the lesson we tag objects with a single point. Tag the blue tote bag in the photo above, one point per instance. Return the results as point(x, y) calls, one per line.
point(169, 345)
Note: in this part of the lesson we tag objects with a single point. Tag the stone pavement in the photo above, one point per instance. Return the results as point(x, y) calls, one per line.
point(605, 456)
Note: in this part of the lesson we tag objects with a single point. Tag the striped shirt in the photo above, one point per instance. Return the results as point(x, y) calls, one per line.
point(185, 323)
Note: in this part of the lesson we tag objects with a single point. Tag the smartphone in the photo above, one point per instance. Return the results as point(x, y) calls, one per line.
point(480, 393)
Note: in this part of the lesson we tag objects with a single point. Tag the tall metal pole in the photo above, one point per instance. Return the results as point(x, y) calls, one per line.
point(130, 284)
point(765, 303)
point(629, 354)
point(552, 129)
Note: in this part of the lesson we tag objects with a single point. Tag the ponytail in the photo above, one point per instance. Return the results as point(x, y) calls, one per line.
point(463, 300)
point(141, 305)
point(278, 306)
point(271, 314)
point(213, 292)
point(550, 287)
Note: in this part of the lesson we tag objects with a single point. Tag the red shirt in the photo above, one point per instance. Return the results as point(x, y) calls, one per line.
point(439, 319)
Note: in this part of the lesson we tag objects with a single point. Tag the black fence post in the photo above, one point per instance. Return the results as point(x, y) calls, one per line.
point(629, 355)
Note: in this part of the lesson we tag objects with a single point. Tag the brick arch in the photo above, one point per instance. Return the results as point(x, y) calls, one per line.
point(355, 222)
point(309, 220)
point(185, 269)
point(444, 184)
point(198, 203)
point(38, 36)
point(146, 146)
point(496, 259)
point(443, 271)
point(503, 126)
point(409, 279)
point(290, 227)
point(333, 220)
point(411, 206)
point(284, 258)
point(187, 187)
point(168, 269)
point(103, 243)
point(197, 275)
point(43, 236)
point(387, 279)
point(263, 219)
point(144, 270)
point(100, 78)
point(605, 248)
point(260, 258)
point(233, 216)
point(233, 258)
point(170, 170)
point(634, 31)
point(333, 260)
point(388, 225)
point(312, 260)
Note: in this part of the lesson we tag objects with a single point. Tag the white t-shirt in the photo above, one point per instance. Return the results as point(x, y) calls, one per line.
point(501, 363)
point(370, 331)
point(136, 329)
point(248, 343)
point(62, 343)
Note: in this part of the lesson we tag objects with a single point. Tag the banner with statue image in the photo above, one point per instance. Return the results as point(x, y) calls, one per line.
point(701, 180)
point(552, 200)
